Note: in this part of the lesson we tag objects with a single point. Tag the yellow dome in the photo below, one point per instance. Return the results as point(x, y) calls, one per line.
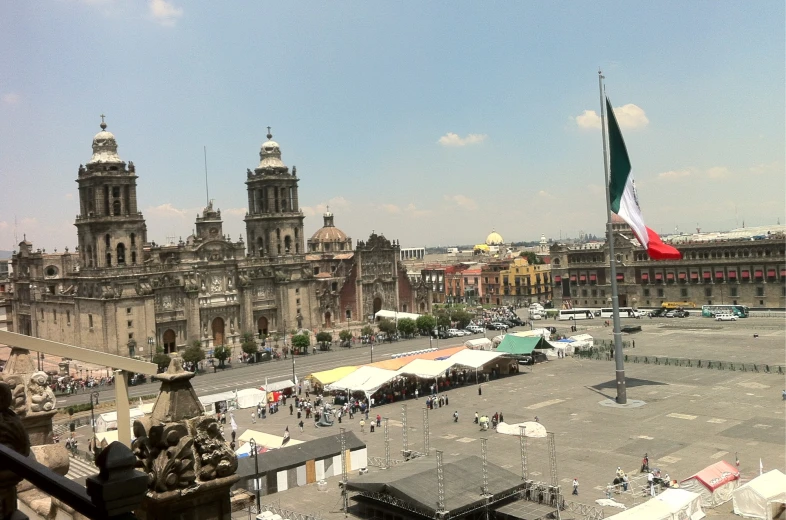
point(494, 239)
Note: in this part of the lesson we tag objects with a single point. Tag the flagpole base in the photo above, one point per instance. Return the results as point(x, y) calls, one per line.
point(632, 403)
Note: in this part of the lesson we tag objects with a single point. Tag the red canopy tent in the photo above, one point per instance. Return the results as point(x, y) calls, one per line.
point(715, 483)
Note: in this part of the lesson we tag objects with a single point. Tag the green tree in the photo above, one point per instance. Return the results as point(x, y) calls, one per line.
point(406, 326)
point(462, 318)
point(345, 335)
point(249, 344)
point(194, 353)
point(324, 339)
point(222, 353)
point(443, 320)
point(387, 326)
point(300, 343)
point(161, 359)
point(531, 257)
point(425, 324)
point(367, 330)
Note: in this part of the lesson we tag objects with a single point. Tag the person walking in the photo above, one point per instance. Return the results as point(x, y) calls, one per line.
point(253, 418)
point(416, 393)
point(455, 416)
point(651, 483)
point(291, 409)
point(379, 420)
point(476, 417)
point(362, 426)
point(575, 486)
point(480, 390)
point(301, 425)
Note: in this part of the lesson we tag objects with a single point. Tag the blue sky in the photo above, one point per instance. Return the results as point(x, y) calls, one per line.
point(431, 122)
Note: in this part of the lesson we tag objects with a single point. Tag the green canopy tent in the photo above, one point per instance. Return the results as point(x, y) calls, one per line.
point(519, 347)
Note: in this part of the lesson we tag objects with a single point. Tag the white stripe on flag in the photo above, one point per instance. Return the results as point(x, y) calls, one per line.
point(631, 213)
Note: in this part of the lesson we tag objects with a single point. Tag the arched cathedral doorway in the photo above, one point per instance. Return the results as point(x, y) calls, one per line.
point(218, 331)
point(170, 341)
point(262, 326)
point(328, 324)
point(377, 305)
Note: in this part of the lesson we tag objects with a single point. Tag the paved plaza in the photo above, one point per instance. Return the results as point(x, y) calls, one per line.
point(692, 417)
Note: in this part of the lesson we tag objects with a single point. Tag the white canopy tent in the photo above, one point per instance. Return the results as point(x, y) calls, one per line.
point(365, 379)
point(473, 358)
point(672, 504)
point(426, 368)
point(546, 333)
point(586, 338)
point(250, 397)
point(108, 421)
point(278, 386)
point(393, 315)
point(479, 344)
point(762, 497)
point(209, 401)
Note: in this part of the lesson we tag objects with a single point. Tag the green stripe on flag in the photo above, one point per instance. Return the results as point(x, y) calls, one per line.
point(618, 160)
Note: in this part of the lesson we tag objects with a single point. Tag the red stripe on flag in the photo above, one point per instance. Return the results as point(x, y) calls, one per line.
point(658, 250)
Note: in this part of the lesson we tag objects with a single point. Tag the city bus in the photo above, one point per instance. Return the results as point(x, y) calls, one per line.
point(575, 314)
point(625, 312)
point(710, 311)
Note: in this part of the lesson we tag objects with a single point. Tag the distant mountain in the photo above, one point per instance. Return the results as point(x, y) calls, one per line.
point(5, 255)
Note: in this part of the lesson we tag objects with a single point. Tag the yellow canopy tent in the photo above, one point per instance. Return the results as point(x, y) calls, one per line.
point(326, 377)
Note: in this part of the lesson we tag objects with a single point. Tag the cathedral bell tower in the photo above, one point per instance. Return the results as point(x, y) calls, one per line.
point(274, 223)
point(111, 231)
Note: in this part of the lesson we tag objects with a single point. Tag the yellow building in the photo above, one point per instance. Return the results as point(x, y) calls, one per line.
point(525, 283)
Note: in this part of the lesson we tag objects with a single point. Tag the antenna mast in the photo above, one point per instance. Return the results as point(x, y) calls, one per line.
point(207, 190)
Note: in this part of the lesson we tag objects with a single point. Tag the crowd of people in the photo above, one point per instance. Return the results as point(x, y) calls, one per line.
point(70, 386)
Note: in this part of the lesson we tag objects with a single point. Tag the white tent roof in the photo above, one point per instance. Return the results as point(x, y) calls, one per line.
point(546, 333)
point(482, 343)
point(473, 358)
point(583, 337)
point(111, 417)
point(393, 315)
point(215, 398)
point(365, 379)
point(277, 386)
point(665, 506)
point(426, 368)
point(751, 499)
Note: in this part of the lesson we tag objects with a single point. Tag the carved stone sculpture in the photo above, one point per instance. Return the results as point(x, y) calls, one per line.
point(16, 383)
point(42, 399)
point(12, 432)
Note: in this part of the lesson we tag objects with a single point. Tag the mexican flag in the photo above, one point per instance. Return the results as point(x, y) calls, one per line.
point(624, 199)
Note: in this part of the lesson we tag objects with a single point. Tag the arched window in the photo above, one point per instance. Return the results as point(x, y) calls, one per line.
point(121, 254)
point(278, 234)
point(287, 243)
point(109, 259)
point(260, 246)
point(133, 257)
point(90, 256)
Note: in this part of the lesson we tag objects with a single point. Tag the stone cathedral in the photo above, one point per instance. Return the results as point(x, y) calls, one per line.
point(122, 294)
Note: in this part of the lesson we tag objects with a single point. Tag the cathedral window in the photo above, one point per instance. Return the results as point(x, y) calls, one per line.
point(90, 321)
point(133, 239)
point(278, 234)
point(116, 208)
point(121, 253)
point(109, 259)
point(279, 248)
point(116, 191)
point(133, 257)
point(106, 240)
point(287, 243)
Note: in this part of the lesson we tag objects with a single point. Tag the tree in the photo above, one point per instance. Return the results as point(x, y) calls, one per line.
point(367, 330)
point(249, 344)
point(531, 257)
point(222, 353)
point(300, 342)
point(462, 318)
point(443, 320)
point(324, 339)
point(387, 326)
point(194, 353)
point(161, 359)
point(345, 335)
point(425, 324)
point(406, 326)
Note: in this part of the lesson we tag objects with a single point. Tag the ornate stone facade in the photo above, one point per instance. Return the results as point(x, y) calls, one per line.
point(121, 294)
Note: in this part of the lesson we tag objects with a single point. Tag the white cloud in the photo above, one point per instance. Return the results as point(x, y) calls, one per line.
point(336, 203)
point(390, 208)
point(629, 117)
point(718, 172)
point(164, 13)
point(544, 194)
point(69, 196)
point(29, 222)
point(674, 174)
point(235, 212)
point(462, 201)
point(417, 213)
point(588, 119)
point(11, 98)
point(167, 211)
point(451, 139)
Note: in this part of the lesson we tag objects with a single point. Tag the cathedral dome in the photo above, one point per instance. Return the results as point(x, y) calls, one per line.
point(104, 147)
point(270, 153)
point(328, 232)
point(494, 239)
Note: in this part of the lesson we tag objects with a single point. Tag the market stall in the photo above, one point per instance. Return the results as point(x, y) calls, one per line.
point(250, 397)
point(763, 497)
point(715, 483)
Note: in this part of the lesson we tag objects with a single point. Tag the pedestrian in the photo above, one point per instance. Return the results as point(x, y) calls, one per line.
point(645, 464)
point(575, 486)
point(362, 425)
point(253, 418)
point(536, 419)
point(480, 390)
point(379, 420)
point(416, 393)
point(447, 402)
point(301, 425)
point(291, 409)
point(501, 418)
point(651, 483)
point(371, 427)
point(476, 417)
point(455, 416)
point(609, 489)
point(784, 395)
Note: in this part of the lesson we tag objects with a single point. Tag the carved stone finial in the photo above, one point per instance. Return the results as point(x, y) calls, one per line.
point(269, 135)
point(103, 124)
point(12, 432)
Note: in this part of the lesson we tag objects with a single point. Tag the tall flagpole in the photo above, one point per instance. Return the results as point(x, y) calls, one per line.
point(622, 392)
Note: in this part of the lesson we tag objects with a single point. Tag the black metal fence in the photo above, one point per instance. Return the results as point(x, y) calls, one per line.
point(606, 354)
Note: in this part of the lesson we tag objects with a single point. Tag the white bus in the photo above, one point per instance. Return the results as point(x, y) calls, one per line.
point(575, 314)
point(625, 312)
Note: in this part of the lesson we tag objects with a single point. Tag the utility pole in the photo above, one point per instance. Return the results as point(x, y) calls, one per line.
point(405, 444)
point(426, 433)
point(344, 492)
point(523, 450)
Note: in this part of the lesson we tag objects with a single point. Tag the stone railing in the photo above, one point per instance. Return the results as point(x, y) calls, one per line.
point(112, 494)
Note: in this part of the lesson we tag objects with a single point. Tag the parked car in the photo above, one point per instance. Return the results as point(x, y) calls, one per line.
point(681, 314)
point(725, 317)
point(499, 326)
point(655, 313)
point(669, 314)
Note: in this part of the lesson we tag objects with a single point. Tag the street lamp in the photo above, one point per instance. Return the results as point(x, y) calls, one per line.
point(253, 444)
point(150, 342)
point(93, 397)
